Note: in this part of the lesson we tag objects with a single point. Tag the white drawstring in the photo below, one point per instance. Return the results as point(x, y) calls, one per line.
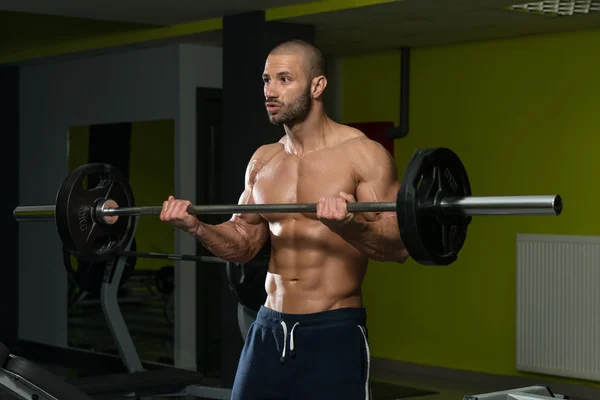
point(368, 379)
point(282, 359)
point(292, 352)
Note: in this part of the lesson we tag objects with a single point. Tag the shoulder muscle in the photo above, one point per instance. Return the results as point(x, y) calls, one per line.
point(371, 161)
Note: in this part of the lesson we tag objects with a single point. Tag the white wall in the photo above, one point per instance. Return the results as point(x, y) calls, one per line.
point(138, 85)
point(199, 66)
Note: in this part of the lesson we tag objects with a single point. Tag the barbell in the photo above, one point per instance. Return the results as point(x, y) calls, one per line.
point(433, 206)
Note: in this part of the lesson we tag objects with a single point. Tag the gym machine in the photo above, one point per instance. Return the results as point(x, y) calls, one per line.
point(139, 382)
point(537, 392)
point(23, 377)
point(27, 380)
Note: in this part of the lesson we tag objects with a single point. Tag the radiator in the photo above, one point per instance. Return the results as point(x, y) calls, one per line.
point(558, 305)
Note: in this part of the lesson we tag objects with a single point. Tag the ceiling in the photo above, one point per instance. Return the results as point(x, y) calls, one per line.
point(158, 12)
point(418, 23)
point(377, 27)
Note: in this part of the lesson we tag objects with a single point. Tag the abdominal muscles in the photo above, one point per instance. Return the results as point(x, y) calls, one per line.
point(312, 269)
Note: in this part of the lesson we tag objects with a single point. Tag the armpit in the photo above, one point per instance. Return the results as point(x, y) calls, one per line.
point(256, 165)
point(261, 158)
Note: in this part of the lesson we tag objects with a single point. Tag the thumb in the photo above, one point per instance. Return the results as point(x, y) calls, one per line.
point(348, 197)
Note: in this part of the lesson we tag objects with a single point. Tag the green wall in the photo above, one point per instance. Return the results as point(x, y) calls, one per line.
point(523, 116)
point(151, 176)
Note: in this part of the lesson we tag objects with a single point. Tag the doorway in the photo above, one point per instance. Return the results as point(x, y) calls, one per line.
point(208, 185)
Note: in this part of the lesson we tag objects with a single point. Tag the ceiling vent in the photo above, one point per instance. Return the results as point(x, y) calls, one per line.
point(559, 7)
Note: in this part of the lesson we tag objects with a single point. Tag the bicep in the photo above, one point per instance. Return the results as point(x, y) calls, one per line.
point(253, 226)
point(377, 181)
point(248, 219)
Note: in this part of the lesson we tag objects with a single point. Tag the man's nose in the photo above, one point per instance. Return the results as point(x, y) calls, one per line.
point(270, 92)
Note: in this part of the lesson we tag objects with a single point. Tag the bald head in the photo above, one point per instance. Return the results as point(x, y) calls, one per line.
point(312, 56)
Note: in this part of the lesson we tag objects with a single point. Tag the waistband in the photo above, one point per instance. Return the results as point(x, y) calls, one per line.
point(354, 316)
point(341, 316)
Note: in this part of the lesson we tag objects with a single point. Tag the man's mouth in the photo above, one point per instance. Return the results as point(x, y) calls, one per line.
point(271, 107)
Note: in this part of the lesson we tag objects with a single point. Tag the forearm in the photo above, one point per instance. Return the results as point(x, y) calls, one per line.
point(379, 239)
point(226, 241)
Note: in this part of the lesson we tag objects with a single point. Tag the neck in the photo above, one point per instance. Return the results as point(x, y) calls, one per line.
point(308, 135)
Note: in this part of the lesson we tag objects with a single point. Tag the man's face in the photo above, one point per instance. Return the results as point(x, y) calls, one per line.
point(287, 89)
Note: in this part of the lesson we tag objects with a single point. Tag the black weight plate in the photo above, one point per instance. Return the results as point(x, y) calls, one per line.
point(82, 234)
point(430, 237)
point(247, 281)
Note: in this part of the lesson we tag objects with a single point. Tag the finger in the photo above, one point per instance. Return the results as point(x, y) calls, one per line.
point(321, 207)
point(170, 213)
point(181, 209)
point(326, 208)
point(341, 208)
point(163, 210)
point(334, 207)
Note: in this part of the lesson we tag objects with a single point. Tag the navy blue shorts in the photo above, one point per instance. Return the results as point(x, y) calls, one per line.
point(316, 356)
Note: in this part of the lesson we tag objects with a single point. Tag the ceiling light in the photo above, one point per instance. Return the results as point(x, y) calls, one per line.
point(559, 7)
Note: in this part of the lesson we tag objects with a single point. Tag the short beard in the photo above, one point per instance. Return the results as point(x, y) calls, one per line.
point(296, 112)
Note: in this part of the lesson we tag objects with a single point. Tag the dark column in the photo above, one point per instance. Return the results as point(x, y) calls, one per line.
point(247, 39)
point(9, 284)
point(111, 144)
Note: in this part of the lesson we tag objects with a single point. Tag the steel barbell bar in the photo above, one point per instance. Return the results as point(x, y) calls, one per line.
point(467, 205)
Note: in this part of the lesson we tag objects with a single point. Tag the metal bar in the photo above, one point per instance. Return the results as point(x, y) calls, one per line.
point(34, 213)
point(472, 205)
point(22, 387)
point(538, 205)
point(252, 208)
point(114, 318)
point(182, 257)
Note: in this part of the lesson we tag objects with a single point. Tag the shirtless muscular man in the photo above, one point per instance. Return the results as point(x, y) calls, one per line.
point(309, 340)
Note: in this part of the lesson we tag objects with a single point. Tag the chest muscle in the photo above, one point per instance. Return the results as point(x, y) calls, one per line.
point(290, 179)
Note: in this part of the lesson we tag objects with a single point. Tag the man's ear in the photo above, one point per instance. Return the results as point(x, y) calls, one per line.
point(319, 84)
